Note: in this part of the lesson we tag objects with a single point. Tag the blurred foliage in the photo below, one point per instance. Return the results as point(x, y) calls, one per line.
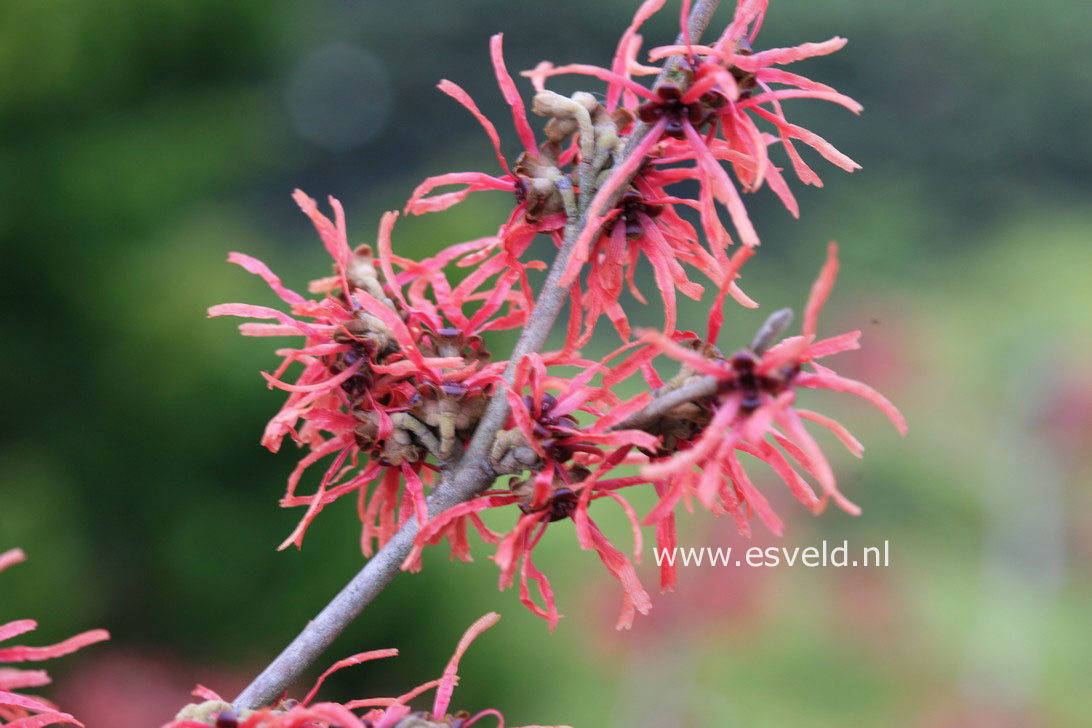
point(143, 139)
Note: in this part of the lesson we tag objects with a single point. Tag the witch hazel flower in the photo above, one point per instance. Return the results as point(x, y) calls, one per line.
point(393, 371)
point(703, 111)
point(583, 143)
point(733, 85)
point(18, 710)
point(647, 224)
point(542, 192)
point(552, 494)
point(643, 222)
point(754, 411)
point(544, 415)
point(569, 463)
point(387, 712)
point(574, 462)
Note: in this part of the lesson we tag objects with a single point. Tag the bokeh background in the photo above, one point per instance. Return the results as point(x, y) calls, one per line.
point(140, 140)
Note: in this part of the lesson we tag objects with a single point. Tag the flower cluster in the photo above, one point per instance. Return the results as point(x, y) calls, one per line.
point(568, 464)
point(390, 374)
point(396, 376)
point(25, 711)
point(752, 410)
point(393, 712)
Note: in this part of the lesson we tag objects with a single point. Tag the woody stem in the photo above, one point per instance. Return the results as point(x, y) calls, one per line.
point(696, 389)
point(459, 483)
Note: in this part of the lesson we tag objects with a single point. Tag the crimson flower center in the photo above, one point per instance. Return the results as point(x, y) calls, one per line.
point(752, 386)
point(633, 206)
point(670, 106)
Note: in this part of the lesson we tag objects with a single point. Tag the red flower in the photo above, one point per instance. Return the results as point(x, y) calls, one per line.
point(703, 113)
point(754, 411)
point(21, 710)
point(732, 83)
point(538, 203)
point(553, 494)
point(383, 368)
point(541, 180)
point(571, 462)
point(647, 223)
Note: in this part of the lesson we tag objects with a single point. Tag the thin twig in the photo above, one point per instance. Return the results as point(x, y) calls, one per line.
point(696, 389)
point(702, 387)
point(472, 474)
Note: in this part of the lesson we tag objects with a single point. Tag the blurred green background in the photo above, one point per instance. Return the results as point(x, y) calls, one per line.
point(144, 139)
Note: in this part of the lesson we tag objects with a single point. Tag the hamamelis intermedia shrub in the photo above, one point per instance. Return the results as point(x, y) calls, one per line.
point(401, 403)
point(394, 372)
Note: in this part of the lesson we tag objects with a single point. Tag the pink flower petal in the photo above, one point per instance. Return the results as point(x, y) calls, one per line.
point(343, 663)
point(511, 95)
point(820, 290)
point(447, 682)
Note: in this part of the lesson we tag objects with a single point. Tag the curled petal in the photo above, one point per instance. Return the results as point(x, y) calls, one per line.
point(16, 628)
point(788, 419)
point(826, 379)
point(347, 662)
point(245, 310)
point(322, 386)
point(626, 46)
point(691, 358)
point(786, 351)
point(50, 715)
point(721, 185)
point(447, 682)
point(333, 234)
point(511, 95)
point(584, 69)
point(782, 56)
point(12, 679)
point(834, 345)
point(715, 433)
point(418, 204)
point(794, 93)
point(456, 92)
point(813, 140)
point(258, 268)
point(635, 525)
point(753, 497)
point(845, 436)
point(529, 572)
point(634, 596)
point(68, 646)
point(821, 289)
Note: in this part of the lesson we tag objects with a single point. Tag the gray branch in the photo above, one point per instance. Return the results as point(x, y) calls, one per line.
point(698, 388)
